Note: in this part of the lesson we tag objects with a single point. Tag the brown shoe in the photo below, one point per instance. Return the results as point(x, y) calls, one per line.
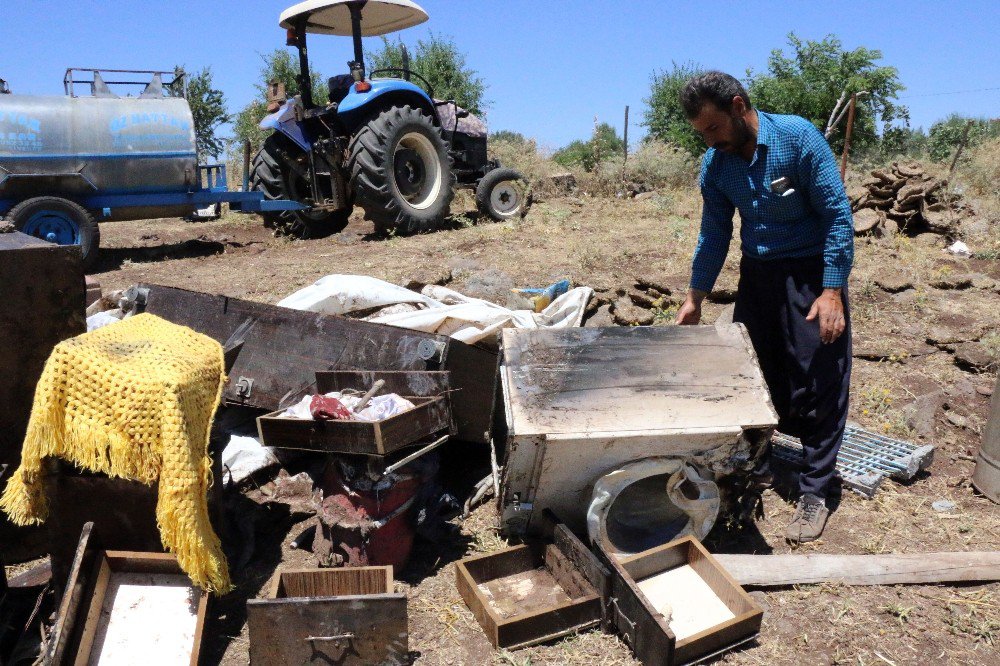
point(809, 520)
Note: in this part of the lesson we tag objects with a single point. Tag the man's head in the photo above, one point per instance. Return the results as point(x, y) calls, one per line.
point(718, 107)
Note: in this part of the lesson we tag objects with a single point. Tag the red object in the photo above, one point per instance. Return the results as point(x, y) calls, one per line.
point(369, 527)
point(323, 408)
point(362, 86)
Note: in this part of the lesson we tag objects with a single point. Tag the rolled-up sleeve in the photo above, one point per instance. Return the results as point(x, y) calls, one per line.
point(716, 231)
point(818, 168)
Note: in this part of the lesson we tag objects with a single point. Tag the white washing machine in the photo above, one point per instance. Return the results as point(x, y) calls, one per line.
point(586, 405)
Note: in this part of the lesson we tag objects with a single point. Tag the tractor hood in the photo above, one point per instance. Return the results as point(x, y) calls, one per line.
point(333, 17)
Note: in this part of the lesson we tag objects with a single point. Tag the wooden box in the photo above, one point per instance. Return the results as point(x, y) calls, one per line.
point(533, 593)
point(709, 611)
point(343, 616)
point(136, 604)
point(427, 390)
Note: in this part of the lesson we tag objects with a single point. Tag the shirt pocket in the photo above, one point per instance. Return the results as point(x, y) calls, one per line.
point(789, 207)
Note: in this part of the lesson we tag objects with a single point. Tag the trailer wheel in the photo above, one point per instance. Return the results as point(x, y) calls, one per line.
point(401, 171)
point(272, 176)
point(503, 194)
point(58, 221)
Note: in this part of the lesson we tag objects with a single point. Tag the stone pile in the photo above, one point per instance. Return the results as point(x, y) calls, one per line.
point(905, 199)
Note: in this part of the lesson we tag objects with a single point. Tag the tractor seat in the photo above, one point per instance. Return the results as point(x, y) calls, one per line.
point(339, 86)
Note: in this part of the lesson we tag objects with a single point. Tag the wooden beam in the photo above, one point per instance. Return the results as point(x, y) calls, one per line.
point(902, 569)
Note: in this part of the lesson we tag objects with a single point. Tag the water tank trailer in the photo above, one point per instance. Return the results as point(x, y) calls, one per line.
point(69, 162)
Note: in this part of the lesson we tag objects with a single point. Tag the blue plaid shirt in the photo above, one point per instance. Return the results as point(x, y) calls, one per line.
point(812, 218)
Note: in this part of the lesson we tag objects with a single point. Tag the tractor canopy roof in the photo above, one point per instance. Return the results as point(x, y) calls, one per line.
point(333, 17)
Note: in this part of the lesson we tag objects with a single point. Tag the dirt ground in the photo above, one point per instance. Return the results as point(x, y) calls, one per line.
point(608, 244)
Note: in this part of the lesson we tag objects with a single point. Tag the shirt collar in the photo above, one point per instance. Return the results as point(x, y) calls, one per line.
point(765, 135)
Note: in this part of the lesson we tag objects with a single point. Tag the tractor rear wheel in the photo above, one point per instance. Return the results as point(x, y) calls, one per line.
point(271, 175)
point(401, 171)
point(58, 221)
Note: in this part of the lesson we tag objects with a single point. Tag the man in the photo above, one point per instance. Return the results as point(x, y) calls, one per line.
point(797, 238)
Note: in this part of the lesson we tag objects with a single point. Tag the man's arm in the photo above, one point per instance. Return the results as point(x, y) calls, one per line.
point(713, 246)
point(818, 168)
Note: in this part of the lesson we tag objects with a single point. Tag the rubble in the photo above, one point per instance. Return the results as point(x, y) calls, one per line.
point(906, 198)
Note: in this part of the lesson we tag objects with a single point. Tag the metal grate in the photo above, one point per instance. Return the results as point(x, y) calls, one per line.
point(865, 458)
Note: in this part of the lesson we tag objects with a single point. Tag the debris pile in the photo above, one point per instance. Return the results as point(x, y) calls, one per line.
point(904, 198)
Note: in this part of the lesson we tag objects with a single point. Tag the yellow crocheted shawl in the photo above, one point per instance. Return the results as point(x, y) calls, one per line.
point(134, 400)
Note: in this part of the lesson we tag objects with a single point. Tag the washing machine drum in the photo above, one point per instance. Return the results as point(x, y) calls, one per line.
point(649, 502)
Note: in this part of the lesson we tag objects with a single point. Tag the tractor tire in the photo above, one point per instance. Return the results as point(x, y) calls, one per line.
point(58, 221)
point(270, 175)
point(401, 171)
point(503, 194)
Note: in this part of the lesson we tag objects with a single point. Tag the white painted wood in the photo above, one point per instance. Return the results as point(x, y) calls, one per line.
point(909, 568)
point(146, 618)
point(684, 597)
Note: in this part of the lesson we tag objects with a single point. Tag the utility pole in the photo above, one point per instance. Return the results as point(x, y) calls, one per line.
point(625, 158)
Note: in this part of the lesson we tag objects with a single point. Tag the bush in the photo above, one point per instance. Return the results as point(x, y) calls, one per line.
point(523, 154)
point(656, 165)
point(603, 144)
point(983, 169)
point(945, 135)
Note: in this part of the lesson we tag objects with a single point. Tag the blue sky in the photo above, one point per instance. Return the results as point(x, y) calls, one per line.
point(551, 66)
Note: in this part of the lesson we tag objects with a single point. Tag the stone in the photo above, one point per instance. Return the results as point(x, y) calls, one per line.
point(984, 390)
point(952, 282)
point(645, 196)
point(601, 318)
point(626, 313)
point(866, 220)
point(921, 414)
point(564, 182)
point(980, 281)
point(974, 356)
point(943, 506)
point(941, 335)
point(893, 283)
point(957, 420)
point(7, 227)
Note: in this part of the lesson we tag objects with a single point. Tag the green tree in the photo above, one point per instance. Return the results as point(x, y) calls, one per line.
point(664, 116)
point(279, 65)
point(440, 62)
point(603, 143)
point(809, 81)
point(208, 108)
point(903, 141)
point(509, 136)
point(945, 135)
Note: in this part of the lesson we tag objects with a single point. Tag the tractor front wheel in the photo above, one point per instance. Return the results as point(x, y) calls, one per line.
point(503, 194)
point(401, 172)
point(271, 175)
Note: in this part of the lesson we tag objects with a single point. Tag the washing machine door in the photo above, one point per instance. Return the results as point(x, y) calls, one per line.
point(650, 502)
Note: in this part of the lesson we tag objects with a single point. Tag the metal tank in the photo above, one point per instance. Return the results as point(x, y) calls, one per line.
point(103, 144)
point(986, 478)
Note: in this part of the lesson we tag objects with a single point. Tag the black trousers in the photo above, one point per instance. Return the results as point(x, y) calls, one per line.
point(809, 381)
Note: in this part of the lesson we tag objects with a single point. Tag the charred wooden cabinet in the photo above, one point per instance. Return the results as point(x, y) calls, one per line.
point(582, 402)
point(336, 616)
point(273, 353)
point(42, 304)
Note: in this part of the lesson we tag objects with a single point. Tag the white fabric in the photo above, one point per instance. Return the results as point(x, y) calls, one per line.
point(340, 294)
point(100, 319)
point(702, 511)
point(442, 311)
point(380, 407)
point(332, 17)
point(243, 456)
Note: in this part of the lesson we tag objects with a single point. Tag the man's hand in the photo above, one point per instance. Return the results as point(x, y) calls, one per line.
point(829, 309)
point(690, 312)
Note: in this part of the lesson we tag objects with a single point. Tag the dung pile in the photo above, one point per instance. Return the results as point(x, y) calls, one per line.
point(905, 199)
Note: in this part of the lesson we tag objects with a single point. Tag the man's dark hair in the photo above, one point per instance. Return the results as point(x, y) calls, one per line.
point(718, 88)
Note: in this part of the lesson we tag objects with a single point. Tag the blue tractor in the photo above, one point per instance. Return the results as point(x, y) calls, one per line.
point(382, 142)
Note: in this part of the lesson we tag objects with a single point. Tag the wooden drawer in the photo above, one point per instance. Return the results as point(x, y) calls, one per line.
point(531, 594)
point(135, 604)
point(711, 613)
point(345, 616)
